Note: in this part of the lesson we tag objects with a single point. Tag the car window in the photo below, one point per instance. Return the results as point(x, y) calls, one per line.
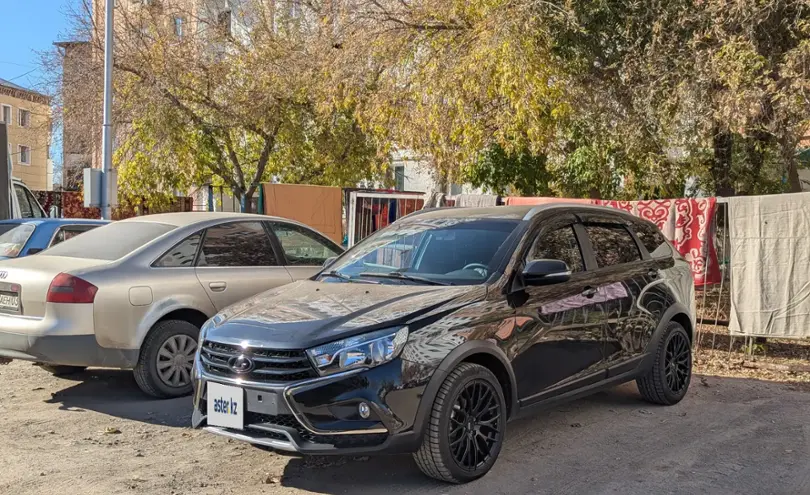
point(36, 210)
point(22, 200)
point(237, 244)
point(182, 254)
point(652, 239)
point(559, 244)
point(452, 250)
point(69, 232)
point(302, 246)
point(612, 245)
point(12, 241)
point(112, 241)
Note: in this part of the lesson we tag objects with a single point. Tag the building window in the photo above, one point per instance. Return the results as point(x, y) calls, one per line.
point(178, 27)
point(5, 115)
point(399, 177)
point(25, 118)
point(25, 154)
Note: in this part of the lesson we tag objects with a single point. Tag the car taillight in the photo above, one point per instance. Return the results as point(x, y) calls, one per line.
point(69, 289)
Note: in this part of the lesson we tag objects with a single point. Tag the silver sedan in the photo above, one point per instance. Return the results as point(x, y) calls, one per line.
point(133, 294)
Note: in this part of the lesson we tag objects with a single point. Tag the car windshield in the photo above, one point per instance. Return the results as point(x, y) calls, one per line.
point(13, 238)
point(110, 242)
point(452, 251)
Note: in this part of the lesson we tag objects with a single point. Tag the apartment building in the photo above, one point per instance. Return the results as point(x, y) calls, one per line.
point(28, 115)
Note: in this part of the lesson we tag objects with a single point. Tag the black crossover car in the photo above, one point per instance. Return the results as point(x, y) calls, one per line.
point(429, 335)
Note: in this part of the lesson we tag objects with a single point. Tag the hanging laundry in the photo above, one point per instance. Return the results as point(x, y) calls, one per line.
point(476, 200)
point(693, 239)
point(770, 265)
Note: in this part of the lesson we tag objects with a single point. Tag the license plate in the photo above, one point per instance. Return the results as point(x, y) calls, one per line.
point(9, 301)
point(226, 406)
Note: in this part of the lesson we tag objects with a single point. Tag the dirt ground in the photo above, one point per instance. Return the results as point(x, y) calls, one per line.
point(95, 433)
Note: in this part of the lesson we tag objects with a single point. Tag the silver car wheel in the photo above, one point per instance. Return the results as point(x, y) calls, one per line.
point(175, 359)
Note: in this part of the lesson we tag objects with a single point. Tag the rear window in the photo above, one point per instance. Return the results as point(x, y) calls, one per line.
point(110, 242)
point(652, 239)
point(13, 238)
point(612, 245)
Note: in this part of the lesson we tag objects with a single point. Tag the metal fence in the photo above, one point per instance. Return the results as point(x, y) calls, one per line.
point(369, 212)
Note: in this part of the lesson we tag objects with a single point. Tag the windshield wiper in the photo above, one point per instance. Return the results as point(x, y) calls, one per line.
point(336, 274)
point(402, 276)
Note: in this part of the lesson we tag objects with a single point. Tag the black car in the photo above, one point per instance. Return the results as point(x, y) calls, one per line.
point(429, 335)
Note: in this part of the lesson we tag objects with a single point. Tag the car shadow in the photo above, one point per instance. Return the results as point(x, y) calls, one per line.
point(115, 393)
point(337, 475)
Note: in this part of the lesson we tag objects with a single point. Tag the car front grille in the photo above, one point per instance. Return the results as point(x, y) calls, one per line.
point(288, 421)
point(269, 365)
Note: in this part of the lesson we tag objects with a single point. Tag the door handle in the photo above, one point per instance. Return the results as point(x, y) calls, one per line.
point(589, 292)
point(218, 286)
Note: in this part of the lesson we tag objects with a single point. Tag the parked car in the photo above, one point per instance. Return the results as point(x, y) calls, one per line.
point(430, 334)
point(134, 293)
point(23, 202)
point(22, 237)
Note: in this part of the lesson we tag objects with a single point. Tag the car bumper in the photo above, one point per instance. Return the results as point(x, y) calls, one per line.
point(319, 415)
point(63, 337)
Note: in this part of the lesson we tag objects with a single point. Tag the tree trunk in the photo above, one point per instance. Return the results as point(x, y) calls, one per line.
point(246, 200)
point(794, 182)
point(755, 153)
point(788, 152)
point(722, 143)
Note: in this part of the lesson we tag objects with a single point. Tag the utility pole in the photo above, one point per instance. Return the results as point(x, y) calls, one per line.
point(107, 131)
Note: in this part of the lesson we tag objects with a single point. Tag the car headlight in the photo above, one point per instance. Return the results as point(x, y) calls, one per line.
point(203, 332)
point(361, 351)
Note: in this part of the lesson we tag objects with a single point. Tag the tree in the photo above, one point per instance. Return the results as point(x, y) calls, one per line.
point(504, 173)
point(226, 96)
point(625, 99)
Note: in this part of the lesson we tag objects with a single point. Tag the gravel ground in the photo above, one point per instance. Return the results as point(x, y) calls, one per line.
point(95, 433)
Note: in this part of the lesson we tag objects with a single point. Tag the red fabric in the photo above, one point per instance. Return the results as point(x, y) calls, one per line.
point(661, 212)
point(619, 205)
point(693, 238)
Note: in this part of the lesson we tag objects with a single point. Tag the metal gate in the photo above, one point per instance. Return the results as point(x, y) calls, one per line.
point(368, 212)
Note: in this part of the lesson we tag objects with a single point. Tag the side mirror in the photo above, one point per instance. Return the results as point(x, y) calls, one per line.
point(546, 272)
point(329, 261)
point(54, 212)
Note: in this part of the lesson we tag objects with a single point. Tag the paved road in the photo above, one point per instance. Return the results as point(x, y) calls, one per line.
point(730, 437)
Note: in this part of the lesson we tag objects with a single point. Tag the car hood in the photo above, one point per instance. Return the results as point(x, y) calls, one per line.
point(308, 313)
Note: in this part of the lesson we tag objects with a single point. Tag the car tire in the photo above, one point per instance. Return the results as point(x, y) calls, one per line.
point(151, 376)
point(668, 380)
point(62, 370)
point(441, 454)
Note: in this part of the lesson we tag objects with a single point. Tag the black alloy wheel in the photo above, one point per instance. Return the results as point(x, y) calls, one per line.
point(466, 426)
point(678, 362)
point(475, 425)
point(668, 380)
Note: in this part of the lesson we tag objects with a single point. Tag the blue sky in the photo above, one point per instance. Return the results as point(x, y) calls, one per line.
point(28, 26)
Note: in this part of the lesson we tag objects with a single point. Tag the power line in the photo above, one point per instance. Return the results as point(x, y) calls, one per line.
point(23, 75)
point(14, 63)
